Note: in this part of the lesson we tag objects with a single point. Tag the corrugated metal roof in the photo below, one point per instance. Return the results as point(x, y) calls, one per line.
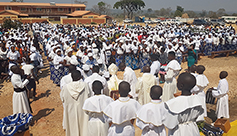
point(41, 4)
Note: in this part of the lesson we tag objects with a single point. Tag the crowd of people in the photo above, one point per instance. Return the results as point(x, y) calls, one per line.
point(84, 61)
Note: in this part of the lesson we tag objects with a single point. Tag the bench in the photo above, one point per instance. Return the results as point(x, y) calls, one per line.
point(217, 53)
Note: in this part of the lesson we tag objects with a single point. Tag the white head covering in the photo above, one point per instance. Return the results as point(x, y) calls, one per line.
point(100, 61)
point(106, 75)
point(90, 54)
point(85, 67)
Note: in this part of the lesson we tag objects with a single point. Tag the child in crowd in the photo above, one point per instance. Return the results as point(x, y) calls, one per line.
point(182, 112)
point(122, 112)
point(151, 115)
point(222, 109)
point(94, 107)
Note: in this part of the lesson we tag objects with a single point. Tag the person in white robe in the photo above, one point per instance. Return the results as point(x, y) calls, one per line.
point(221, 93)
point(144, 85)
point(67, 78)
point(73, 95)
point(183, 111)
point(95, 76)
point(155, 66)
point(151, 116)
point(172, 70)
point(94, 106)
point(202, 83)
point(130, 77)
point(122, 112)
point(113, 81)
point(19, 99)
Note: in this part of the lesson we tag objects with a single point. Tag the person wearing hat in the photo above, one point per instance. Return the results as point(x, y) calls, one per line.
point(58, 62)
point(67, 59)
point(91, 61)
point(103, 67)
point(179, 50)
point(145, 53)
point(86, 71)
point(13, 57)
point(208, 42)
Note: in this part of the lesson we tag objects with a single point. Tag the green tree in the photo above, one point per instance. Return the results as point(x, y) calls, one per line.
point(212, 14)
point(101, 8)
point(191, 13)
point(149, 10)
point(179, 11)
point(81, 2)
point(220, 12)
point(129, 6)
point(203, 13)
point(16, 0)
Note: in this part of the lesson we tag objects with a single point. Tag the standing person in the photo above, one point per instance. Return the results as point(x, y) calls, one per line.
point(20, 100)
point(130, 77)
point(58, 65)
point(94, 107)
point(155, 66)
point(182, 112)
point(13, 57)
point(73, 95)
point(173, 68)
point(144, 58)
point(191, 56)
point(179, 50)
point(151, 116)
point(29, 71)
point(164, 61)
point(144, 85)
point(208, 42)
point(95, 76)
point(115, 111)
point(222, 109)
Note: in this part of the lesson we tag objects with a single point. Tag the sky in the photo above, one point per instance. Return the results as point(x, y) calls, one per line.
point(195, 5)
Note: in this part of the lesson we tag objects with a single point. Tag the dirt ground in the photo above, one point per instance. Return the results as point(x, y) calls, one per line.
point(48, 110)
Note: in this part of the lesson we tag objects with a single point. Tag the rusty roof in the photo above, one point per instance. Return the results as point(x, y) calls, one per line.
point(13, 12)
point(78, 13)
point(41, 4)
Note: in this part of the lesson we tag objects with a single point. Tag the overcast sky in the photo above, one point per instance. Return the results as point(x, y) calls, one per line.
point(195, 5)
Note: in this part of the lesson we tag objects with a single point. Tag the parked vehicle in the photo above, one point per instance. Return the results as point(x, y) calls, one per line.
point(230, 19)
point(217, 22)
point(200, 22)
point(157, 21)
point(127, 20)
point(149, 21)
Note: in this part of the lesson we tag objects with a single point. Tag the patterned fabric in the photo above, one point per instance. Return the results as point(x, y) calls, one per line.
point(66, 70)
point(135, 63)
point(15, 123)
point(179, 59)
point(119, 59)
point(57, 75)
point(219, 47)
point(52, 69)
point(144, 62)
point(208, 49)
point(232, 47)
point(128, 61)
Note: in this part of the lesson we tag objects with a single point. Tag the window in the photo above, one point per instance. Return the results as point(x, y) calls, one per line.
point(78, 8)
point(60, 9)
point(30, 10)
point(90, 17)
point(23, 9)
point(8, 8)
point(38, 9)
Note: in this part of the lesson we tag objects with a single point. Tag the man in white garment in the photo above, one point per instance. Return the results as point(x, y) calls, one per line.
point(122, 112)
point(94, 106)
point(183, 111)
point(130, 77)
point(73, 95)
point(95, 76)
point(144, 85)
point(155, 66)
point(20, 100)
point(151, 116)
point(221, 93)
point(172, 70)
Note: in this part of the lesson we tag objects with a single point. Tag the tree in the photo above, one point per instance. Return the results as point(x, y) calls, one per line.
point(220, 12)
point(203, 13)
point(179, 11)
point(164, 12)
point(149, 10)
point(212, 14)
point(130, 6)
point(101, 8)
point(191, 14)
point(16, 0)
point(80, 2)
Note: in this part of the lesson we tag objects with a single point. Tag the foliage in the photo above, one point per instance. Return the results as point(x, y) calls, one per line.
point(163, 12)
point(16, 0)
point(203, 13)
point(8, 23)
point(102, 8)
point(81, 2)
point(191, 14)
point(149, 10)
point(220, 12)
point(179, 11)
point(93, 23)
point(212, 14)
point(129, 6)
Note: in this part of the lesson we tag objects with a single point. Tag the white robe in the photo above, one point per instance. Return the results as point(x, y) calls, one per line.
point(130, 77)
point(120, 113)
point(65, 80)
point(19, 101)
point(181, 115)
point(143, 87)
point(95, 76)
point(150, 119)
point(73, 96)
point(222, 108)
point(201, 83)
point(94, 106)
point(173, 68)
